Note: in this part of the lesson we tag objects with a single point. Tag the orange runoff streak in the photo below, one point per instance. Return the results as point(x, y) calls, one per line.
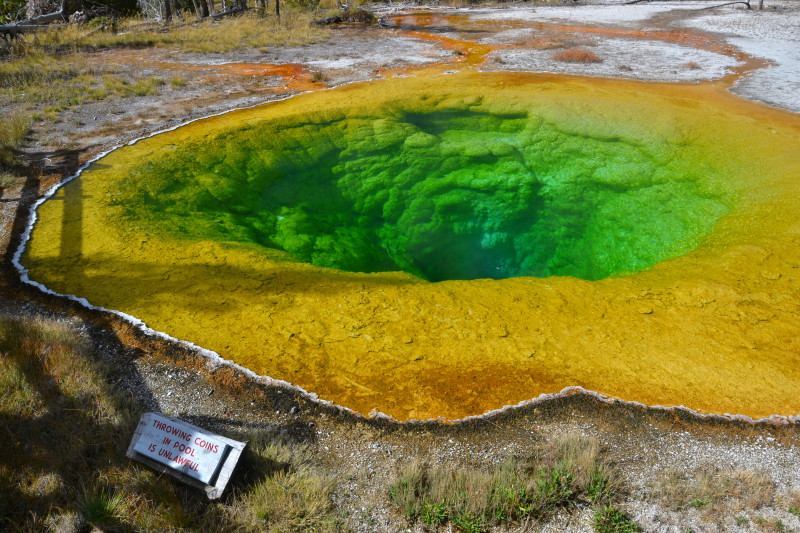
point(474, 54)
point(298, 77)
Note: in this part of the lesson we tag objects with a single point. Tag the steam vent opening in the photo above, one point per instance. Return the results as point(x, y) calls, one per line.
point(452, 193)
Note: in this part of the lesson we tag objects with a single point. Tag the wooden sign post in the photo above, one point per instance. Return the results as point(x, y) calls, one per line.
point(194, 455)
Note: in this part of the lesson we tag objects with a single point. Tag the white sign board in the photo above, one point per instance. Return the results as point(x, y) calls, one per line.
point(181, 446)
point(194, 455)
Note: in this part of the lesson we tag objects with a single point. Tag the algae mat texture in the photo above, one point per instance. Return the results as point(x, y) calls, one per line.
point(644, 239)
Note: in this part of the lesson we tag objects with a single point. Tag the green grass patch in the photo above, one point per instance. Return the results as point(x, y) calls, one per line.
point(177, 82)
point(609, 519)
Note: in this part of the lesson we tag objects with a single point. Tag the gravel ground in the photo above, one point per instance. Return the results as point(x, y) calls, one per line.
point(623, 58)
point(365, 453)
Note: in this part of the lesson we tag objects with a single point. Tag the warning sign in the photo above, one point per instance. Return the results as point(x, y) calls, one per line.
point(187, 451)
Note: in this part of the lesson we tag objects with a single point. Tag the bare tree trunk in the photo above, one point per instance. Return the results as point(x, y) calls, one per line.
point(278, 9)
point(760, 5)
point(204, 8)
point(176, 9)
point(211, 8)
point(167, 11)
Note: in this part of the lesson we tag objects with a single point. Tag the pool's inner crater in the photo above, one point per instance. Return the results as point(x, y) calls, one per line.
point(453, 193)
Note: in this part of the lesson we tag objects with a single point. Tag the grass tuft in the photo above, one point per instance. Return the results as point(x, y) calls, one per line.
point(177, 82)
point(533, 488)
point(14, 127)
point(793, 503)
point(577, 55)
point(103, 508)
point(609, 519)
point(715, 490)
point(290, 496)
point(318, 77)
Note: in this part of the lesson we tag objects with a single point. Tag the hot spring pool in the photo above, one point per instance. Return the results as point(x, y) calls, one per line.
point(449, 245)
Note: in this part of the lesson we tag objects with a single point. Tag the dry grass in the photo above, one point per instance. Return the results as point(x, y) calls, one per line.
point(773, 525)
point(692, 65)
point(53, 71)
point(61, 418)
point(577, 55)
point(295, 496)
point(63, 465)
point(9, 179)
point(472, 499)
point(40, 86)
point(65, 81)
point(231, 33)
point(716, 490)
point(549, 44)
point(793, 502)
point(14, 127)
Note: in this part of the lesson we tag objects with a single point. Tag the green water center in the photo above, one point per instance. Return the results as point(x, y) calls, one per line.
point(448, 193)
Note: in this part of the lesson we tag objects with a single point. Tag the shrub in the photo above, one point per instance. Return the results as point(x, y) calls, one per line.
point(577, 55)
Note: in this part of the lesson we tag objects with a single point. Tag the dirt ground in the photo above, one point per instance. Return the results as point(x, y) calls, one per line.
point(366, 452)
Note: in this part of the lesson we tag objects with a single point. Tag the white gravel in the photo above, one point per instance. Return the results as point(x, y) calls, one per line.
point(617, 14)
point(392, 50)
point(622, 58)
point(772, 34)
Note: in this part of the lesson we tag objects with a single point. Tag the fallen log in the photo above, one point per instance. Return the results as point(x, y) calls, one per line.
point(14, 29)
point(49, 17)
point(21, 28)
